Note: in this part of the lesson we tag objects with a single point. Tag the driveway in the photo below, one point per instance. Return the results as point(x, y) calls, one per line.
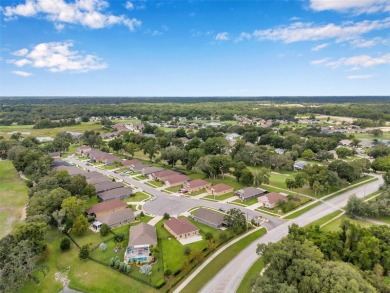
point(175, 205)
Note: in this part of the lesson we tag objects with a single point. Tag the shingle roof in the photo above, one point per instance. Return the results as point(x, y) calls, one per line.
point(92, 174)
point(221, 187)
point(142, 234)
point(197, 183)
point(97, 180)
point(177, 178)
point(250, 191)
point(210, 216)
point(106, 206)
point(130, 162)
point(117, 217)
point(115, 193)
point(180, 226)
point(274, 197)
point(164, 174)
point(72, 170)
point(107, 186)
point(149, 170)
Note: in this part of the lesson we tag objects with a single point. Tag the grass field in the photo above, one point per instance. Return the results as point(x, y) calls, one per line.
point(247, 282)
point(325, 219)
point(86, 276)
point(13, 196)
point(302, 211)
point(220, 197)
point(220, 261)
point(335, 225)
point(137, 197)
point(246, 202)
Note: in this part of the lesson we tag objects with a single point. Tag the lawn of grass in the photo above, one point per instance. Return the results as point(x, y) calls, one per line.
point(86, 276)
point(174, 188)
point(248, 281)
point(156, 183)
point(335, 225)
point(302, 211)
point(246, 202)
point(91, 238)
point(13, 197)
point(268, 211)
point(220, 261)
point(325, 219)
point(229, 180)
point(384, 219)
point(137, 197)
point(197, 192)
point(220, 197)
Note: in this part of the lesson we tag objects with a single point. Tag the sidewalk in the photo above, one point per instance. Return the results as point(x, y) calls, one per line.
point(155, 220)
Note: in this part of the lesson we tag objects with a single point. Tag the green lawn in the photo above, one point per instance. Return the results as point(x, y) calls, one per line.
point(335, 225)
point(384, 219)
point(220, 197)
point(91, 238)
point(220, 261)
point(229, 180)
point(197, 192)
point(302, 211)
point(174, 188)
point(155, 183)
point(86, 276)
point(248, 281)
point(325, 219)
point(137, 197)
point(13, 197)
point(246, 202)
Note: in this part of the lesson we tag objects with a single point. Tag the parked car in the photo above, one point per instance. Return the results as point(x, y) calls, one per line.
point(222, 210)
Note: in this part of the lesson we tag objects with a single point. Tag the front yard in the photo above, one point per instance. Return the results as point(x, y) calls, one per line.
point(247, 202)
point(219, 197)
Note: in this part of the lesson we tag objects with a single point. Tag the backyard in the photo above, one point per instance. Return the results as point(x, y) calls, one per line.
point(13, 196)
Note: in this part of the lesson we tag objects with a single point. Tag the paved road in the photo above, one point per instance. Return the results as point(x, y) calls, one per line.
point(228, 279)
point(173, 204)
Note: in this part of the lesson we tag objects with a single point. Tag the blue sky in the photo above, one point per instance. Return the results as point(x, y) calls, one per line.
point(194, 48)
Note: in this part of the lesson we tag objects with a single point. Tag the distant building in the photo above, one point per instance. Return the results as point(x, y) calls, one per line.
point(220, 189)
point(175, 180)
point(196, 185)
point(101, 187)
point(117, 218)
point(299, 165)
point(120, 193)
point(270, 200)
point(106, 207)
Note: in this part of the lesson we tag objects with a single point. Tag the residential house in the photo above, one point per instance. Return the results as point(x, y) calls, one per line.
point(210, 218)
point(270, 200)
point(141, 237)
point(280, 151)
point(248, 193)
point(219, 189)
point(138, 127)
point(196, 185)
point(120, 193)
point(345, 142)
point(72, 170)
point(101, 187)
point(89, 175)
point(97, 180)
point(83, 150)
point(138, 167)
point(161, 175)
point(130, 163)
point(106, 207)
point(149, 170)
point(117, 218)
point(175, 180)
point(59, 162)
point(299, 165)
point(181, 228)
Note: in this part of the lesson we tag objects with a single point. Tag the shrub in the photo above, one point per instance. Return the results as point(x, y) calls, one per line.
point(168, 273)
point(209, 236)
point(84, 251)
point(112, 261)
point(187, 250)
point(223, 237)
point(128, 269)
point(142, 214)
point(166, 216)
point(122, 267)
point(104, 230)
point(119, 237)
point(117, 263)
point(65, 244)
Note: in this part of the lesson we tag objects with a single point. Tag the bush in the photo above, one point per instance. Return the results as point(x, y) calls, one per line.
point(112, 261)
point(209, 236)
point(168, 273)
point(166, 216)
point(119, 237)
point(142, 214)
point(65, 244)
point(122, 267)
point(84, 251)
point(187, 250)
point(104, 230)
point(128, 269)
point(117, 263)
point(159, 283)
point(223, 237)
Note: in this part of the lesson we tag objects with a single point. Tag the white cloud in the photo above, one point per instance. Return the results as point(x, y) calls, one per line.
point(58, 57)
point(242, 37)
point(129, 5)
point(89, 13)
point(364, 43)
point(21, 52)
point(299, 31)
point(222, 36)
point(320, 47)
point(356, 62)
point(22, 73)
point(354, 6)
point(364, 76)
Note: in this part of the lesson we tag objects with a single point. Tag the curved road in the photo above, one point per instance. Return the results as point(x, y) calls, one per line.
point(228, 279)
point(176, 205)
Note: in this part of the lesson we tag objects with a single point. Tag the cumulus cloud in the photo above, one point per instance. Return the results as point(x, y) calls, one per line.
point(300, 31)
point(129, 5)
point(364, 76)
point(22, 73)
point(224, 36)
point(58, 57)
point(88, 13)
point(354, 6)
point(320, 47)
point(355, 62)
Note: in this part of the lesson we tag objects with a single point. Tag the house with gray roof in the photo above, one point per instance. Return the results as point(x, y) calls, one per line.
point(141, 237)
point(120, 193)
point(248, 193)
point(210, 218)
point(102, 187)
point(299, 165)
point(117, 218)
point(97, 180)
